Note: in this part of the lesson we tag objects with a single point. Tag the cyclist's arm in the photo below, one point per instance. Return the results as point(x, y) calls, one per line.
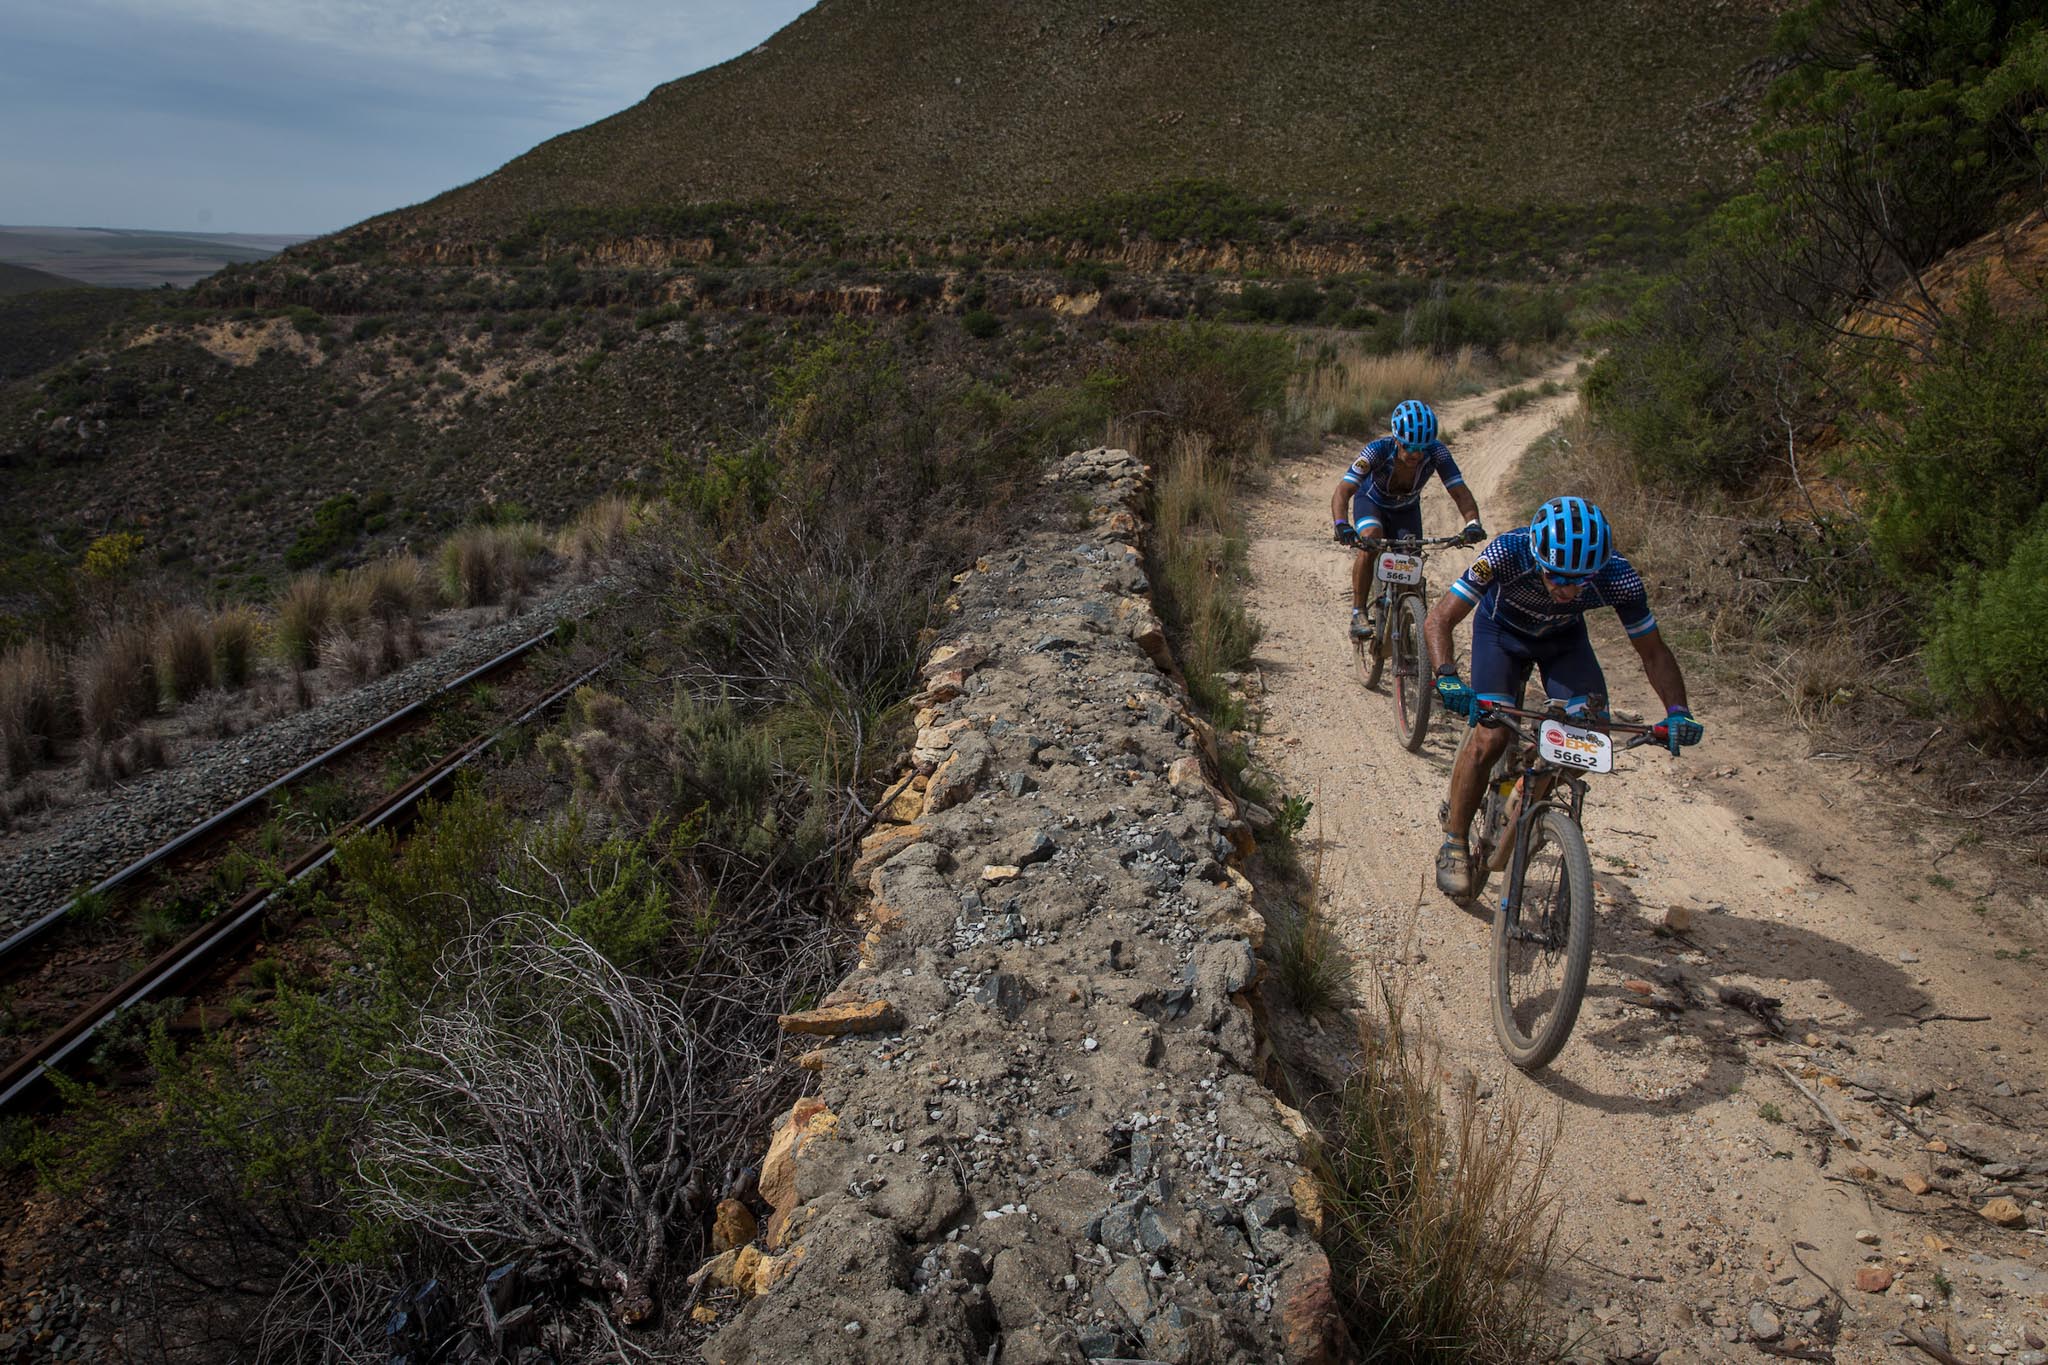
point(1660, 665)
point(1443, 618)
point(1340, 501)
point(1468, 506)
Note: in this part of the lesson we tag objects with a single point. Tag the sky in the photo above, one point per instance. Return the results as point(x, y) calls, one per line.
point(304, 116)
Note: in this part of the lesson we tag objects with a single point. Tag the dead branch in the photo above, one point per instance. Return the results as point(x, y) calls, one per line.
point(1848, 1139)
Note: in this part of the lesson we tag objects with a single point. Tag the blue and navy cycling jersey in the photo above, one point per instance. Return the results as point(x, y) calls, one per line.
point(1373, 471)
point(1506, 584)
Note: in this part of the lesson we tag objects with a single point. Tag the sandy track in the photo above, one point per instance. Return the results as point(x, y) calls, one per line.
point(1683, 1154)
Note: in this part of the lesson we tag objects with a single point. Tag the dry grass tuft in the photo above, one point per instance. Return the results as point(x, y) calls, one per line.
point(394, 589)
point(305, 613)
point(184, 654)
point(1353, 391)
point(1436, 1221)
point(599, 533)
point(35, 710)
point(237, 637)
point(1200, 553)
point(480, 564)
point(115, 679)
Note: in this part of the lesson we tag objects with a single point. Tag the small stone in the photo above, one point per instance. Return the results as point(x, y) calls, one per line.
point(704, 1313)
point(1867, 1236)
point(2034, 1341)
point(1916, 1183)
point(1638, 987)
point(1678, 919)
point(2004, 1212)
point(1001, 872)
point(852, 1329)
point(1764, 1324)
point(1632, 1196)
point(2033, 1357)
point(1916, 1301)
point(1873, 1279)
point(1089, 1045)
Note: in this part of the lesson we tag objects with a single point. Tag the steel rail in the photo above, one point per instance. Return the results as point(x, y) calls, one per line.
point(198, 949)
point(42, 925)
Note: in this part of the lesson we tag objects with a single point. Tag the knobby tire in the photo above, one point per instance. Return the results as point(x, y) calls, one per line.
point(1532, 1040)
point(1414, 690)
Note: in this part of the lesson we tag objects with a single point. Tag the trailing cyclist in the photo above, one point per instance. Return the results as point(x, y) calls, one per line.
point(1532, 589)
point(1380, 496)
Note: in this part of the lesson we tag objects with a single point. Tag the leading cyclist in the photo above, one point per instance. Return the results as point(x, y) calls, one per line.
point(1380, 495)
point(1533, 589)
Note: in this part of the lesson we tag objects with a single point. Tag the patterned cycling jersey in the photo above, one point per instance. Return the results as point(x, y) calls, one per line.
point(1506, 584)
point(1374, 471)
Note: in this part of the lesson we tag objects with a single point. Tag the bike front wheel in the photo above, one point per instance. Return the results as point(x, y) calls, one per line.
point(1414, 689)
point(1542, 952)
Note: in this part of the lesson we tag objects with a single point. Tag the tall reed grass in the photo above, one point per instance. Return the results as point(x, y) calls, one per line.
point(36, 710)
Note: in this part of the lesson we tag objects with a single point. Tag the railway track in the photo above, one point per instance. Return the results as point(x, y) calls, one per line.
point(35, 948)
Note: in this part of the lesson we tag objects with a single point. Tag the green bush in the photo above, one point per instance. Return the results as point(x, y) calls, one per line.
point(1960, 468)
point(1988, 650)
point(980, 324)
point(337, 525)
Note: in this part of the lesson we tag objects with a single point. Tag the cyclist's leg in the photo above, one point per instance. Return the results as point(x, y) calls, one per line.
point(1370, 519)
point(1500, 668)
point(1571, 670)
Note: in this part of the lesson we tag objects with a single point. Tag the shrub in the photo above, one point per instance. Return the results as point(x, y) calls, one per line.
point(304, 615)
point(34, 710)
point(184, 654)
point(980, 324)
point(337, 525)
point(1218, 382)
point(116, 680)
point(1988, 649)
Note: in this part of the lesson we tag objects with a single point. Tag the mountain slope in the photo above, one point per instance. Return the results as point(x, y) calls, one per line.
point(929, 115)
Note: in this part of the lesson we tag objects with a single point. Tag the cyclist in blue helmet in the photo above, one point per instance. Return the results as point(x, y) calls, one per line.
point(1380, 496)
point(1532, 589)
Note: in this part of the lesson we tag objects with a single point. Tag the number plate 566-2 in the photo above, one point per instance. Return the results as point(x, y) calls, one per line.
point(1567, 746)
point(1397, 568)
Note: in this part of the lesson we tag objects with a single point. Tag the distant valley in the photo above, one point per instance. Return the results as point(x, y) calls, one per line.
point(134, 258)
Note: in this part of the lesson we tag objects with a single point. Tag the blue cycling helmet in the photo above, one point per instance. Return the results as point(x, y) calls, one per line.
point(1570, 537)
point(1414, 423)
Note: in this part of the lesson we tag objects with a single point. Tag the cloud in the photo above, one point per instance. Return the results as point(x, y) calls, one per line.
point(326, 93)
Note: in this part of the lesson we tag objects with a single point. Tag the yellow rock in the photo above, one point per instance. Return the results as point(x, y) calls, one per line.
point(703, 1313)
point(1916, 1184)
point(881, 846)
point(733, 1225)
point(814, 1060)
point(2004, 1212)
point(1001, 872)
point(1308, 1204)
point(836, 1021)
point(809, 1121)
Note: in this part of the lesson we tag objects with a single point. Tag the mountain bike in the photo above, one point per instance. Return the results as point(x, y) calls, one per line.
point(1397, 610)
point(1529, 825)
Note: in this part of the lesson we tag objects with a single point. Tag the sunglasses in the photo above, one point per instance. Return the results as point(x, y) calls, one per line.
point(1411, 449)
point(1569, 580)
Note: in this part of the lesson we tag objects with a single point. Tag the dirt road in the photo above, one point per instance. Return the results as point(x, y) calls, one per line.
point(1707, 1203)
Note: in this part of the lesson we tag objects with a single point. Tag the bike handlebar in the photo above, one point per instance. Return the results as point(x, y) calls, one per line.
point(1643, 734)
point(1384, 543)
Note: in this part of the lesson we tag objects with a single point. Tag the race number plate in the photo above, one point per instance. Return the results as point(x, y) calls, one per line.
point(1587, 751)
point(1398, 568)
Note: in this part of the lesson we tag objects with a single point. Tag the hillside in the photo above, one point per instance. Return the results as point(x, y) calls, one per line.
point(923, 116)
point(21, 279)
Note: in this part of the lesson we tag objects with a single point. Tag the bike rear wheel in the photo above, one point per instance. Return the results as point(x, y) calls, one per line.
point(1541, 958)
point(1413, 688)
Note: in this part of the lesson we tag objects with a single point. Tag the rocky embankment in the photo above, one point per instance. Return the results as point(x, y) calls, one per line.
point(1039, 1132)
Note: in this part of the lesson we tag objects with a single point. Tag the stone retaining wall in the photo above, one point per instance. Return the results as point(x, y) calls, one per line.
point(1039, 1133)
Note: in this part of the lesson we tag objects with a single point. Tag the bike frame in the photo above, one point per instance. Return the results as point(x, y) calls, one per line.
point(1390, 594)
point(1535, 769)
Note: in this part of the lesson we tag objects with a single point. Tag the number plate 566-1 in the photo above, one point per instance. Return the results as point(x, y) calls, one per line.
point(1567, 746)
point(1396, 568)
